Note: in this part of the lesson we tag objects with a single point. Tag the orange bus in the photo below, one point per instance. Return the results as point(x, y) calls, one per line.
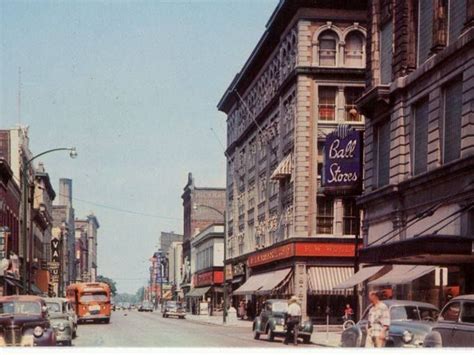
point(91, 301)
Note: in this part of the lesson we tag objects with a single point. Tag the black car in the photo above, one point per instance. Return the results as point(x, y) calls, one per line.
point(455, 324)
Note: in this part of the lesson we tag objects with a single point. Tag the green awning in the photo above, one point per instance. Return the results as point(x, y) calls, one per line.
point(198, 292)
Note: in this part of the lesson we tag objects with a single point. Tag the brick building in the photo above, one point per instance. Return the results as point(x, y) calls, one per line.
point(300, 83)
point(419, 145)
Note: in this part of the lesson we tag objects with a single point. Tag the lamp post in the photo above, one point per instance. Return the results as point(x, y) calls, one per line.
point(195, 207)
point(25, 194)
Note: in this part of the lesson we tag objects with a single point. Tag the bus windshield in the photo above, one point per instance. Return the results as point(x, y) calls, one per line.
point(94, 297)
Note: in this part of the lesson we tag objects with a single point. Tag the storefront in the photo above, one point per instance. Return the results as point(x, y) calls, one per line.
point(307, 268)
point(208, 288)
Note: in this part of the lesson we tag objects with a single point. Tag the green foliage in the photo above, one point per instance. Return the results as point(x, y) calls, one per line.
point(108, 281)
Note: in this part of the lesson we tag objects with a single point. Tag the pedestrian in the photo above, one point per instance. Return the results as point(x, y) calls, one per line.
point(348, 313)
point(249, 310)
point(242, 309)
point(293, 320)
point(379, 321)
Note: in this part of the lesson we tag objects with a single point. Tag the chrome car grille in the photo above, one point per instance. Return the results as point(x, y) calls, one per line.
point(12, 335)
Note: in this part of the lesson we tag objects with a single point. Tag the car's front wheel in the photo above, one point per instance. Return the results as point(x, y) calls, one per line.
point(256, 335)
point(307, 339)
point(271, 336)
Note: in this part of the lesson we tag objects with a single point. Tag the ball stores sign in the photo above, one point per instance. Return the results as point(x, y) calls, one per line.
point(343, 162)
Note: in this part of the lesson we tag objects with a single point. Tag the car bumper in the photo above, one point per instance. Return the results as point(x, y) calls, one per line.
point(175, 313)
point(94, 317)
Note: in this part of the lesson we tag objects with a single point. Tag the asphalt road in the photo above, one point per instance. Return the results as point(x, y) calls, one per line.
point(137, 329)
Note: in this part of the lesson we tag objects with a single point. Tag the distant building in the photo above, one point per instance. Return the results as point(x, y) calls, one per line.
point(175, 256)
point(86, 248)
point(167, 238)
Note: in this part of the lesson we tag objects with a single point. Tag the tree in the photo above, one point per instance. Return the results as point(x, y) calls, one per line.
point(108, 281)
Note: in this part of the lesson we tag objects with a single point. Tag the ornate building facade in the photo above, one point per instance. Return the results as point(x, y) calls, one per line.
point(300, 83)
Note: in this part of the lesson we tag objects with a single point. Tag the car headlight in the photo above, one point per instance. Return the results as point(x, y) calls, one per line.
point(38, 331)
point(407, 336)
point(61, 326)
point(281, 321)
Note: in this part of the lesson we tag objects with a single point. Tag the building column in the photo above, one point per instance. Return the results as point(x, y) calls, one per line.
point(300, 278)
point(340, 104)
point(338, 217)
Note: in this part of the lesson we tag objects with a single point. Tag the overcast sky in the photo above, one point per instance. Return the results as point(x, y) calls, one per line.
point(134, 86)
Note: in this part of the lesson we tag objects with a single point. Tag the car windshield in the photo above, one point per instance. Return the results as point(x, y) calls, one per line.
point(16, 307)
point(172, 304)
point(53, 307)
point(398, 313)
point(94, 297)
point(280, 307)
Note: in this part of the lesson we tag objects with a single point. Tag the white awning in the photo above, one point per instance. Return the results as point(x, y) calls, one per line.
point(359, 277)
point(263, 283)
point(322, 280)
point(283, 169)
point(198, 292)
point(402, 274)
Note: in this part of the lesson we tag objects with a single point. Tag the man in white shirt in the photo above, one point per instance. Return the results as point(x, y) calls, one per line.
point(379, 320)
point(293, 320)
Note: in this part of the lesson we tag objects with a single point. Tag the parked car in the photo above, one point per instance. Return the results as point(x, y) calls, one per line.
point(410, 322)
point(24, 322)
point(455, 324)
point(146, 306)
point(271, 322)
point(173, 308)
point(62, 319)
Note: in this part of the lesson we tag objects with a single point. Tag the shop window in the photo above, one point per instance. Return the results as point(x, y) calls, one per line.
point(467, 315)
point(452, 124)
point(451, 312)
point(351, 217)
point(327, 48)
point(325, 215)
point(386, 52)
point(327, 103)
point(425, 29)
point(354, 49)
point(352, 94)
point(419, 145)
point(382, 153)
point(457, 18)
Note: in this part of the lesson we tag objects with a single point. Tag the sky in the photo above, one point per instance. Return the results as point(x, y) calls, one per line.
point(134, 86)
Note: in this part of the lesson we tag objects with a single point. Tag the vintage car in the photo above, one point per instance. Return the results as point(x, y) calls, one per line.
point(63, 319)
point(24, 322)
point(173, 308)
point(455, 324)
point(145, 306)
point(410, 322)
point(271, 322)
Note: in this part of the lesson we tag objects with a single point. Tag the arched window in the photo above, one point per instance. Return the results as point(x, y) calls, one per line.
point(354, 49)
point(327, 48)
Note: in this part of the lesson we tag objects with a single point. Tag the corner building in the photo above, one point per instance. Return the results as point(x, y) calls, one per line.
point(284, 235)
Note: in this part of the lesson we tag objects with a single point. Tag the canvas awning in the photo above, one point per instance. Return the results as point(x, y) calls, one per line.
point(402, 274)
point(263, 284)
point(283, 169)
point(322, 280)
point(13, 282)
point(359, 277)
point(198, 292)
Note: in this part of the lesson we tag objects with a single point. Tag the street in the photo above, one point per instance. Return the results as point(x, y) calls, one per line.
point(137, 329)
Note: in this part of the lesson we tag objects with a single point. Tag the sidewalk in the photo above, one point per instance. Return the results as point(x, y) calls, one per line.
point(217, 320)
point(331, 339)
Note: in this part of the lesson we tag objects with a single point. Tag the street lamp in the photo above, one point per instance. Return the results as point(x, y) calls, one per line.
point(24, 234)
point(195, 207)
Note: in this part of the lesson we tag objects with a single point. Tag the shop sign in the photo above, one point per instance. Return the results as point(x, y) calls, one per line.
point(239, 269)
point(268, 256)
point(343, 161)
point(324, 249)
point(209, 278)
point(228, 272)
point(55, 250)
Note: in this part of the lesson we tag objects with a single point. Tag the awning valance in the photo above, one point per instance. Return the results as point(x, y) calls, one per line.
point(359, 277)
point(322, 280)
point(13, 282)
point(283, 169)
point(198, 292)
point(402, 274)
point(263, 284)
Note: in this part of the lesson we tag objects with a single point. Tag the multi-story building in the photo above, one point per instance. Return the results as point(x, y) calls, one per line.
point(167, 238)
point(300, 83)
point(199, 212)
point(175, 267)
point(419, 146)
point(86, 248)
point(207, 267)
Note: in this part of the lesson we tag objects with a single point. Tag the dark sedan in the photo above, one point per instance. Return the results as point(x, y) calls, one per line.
point(455, 325)
point(24, 322)
point(410, 322)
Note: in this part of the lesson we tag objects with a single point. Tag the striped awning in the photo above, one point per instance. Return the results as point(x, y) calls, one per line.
point(323, 280)
point(283, 170)
point(263, 284)
point(360, 276)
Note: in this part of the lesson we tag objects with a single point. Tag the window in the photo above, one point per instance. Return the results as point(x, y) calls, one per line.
point(382, 153)
point(452, 121)
point(451, 312)
point(420, 137)
point(386, 52)
point(325, 217)
point(457, 18)
point(425, 29)
point(327, 48)
point(354, 49)
point(467, 315)
point(351, 217)
point(352, 94)
point(327, 103)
